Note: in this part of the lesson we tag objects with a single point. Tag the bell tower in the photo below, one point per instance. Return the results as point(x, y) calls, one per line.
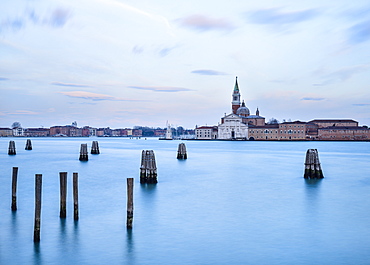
point(235, 104)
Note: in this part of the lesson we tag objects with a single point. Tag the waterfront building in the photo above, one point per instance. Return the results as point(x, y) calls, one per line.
point(343, 133)
point(264, 132)
point(6, 132)
point(295, 130)
point(335, 122)
point(37, 132)
point(206, 132)
point(18, 131)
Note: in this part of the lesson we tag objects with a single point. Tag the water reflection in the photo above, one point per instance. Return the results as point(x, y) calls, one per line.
point(312, 187)
point(36, 253)
point(62, 229)
point(312, 195)
point(130, 242)
point(149, 189)
point(14, 223)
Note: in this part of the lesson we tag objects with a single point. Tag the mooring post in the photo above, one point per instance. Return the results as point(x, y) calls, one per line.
point(143, 167)
point(181, 152)
point(130, 202)
point(75, 196)
point(28, 145)
point(83, 153)
point(312, 165)
point(36, 230)
point(95, 148)
point(148, 169)
point(14, 188)
point(11, 150)
point(63, 194)
point(152, 168)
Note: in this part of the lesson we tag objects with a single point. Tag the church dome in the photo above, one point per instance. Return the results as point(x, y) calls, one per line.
point(243, 110)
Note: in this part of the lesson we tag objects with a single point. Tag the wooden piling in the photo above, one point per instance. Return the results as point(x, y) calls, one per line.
point(95, 148)
point(181, 152)
point(75, 196)
point(148, 169)
point(83, 153)
point(36, 230)
point(14, 188)
point(11, 150)
point(312, 165)
point(28, 145)
point(63, 194)
point(130, 202)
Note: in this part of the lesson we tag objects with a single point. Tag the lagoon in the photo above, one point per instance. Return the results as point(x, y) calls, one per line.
point(230, 202)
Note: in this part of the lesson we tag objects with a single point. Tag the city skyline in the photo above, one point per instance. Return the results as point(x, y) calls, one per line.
point(141, 63)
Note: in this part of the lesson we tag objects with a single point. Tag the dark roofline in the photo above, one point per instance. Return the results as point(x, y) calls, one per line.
point(294, 122)
point(333, 120)
point(207, 127)
point(266, 126)
point(344, 128)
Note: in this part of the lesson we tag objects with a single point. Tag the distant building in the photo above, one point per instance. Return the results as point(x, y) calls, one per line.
point(37, 132)
point(18, 132)
point(6, 132)
point(60, 130)
point(335, 122)
point(206, 132)
point(264, 132)
point(295, 130)
point(343, 133)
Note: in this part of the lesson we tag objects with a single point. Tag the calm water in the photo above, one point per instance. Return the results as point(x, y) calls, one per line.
point(228, 203)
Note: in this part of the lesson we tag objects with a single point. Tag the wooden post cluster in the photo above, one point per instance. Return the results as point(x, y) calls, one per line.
point(63, 199)
point(181, 152)
point(95, 148)
point(63, 194)
point(312, 165)
point(11, 150)
point(75, 196)
point(83, 153)
point(28, 145)
point(130, 202)
point(148, 169)
point(36, 230)
point(14, 188)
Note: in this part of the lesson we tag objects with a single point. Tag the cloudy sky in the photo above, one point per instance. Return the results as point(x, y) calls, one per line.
point(123, 63)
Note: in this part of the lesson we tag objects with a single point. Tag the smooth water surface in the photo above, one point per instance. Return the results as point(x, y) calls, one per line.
point(228, 203)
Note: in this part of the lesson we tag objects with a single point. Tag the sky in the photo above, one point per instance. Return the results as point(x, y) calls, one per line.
point(119, 64)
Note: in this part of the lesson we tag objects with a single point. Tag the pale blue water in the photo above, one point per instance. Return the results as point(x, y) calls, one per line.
point(228, 203)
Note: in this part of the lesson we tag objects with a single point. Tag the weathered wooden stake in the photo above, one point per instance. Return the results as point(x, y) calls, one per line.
point(312, 165)
point(130, 202)
point(181, 152)
point(75, 196)
point(83, 153)
point(36, 230)
point(14, 188)
point(11, 150)
point(63, 194)
point(28, 145)
point(148, 169)
point(95, 148)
